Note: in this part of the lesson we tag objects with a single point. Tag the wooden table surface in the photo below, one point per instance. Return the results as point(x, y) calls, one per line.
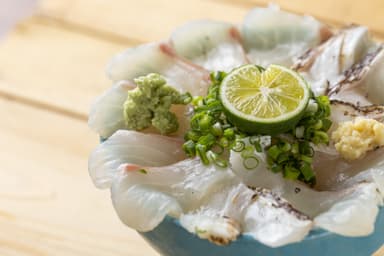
point(51, 68)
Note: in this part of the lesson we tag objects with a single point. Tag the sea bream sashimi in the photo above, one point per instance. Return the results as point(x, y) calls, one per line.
point(274, 36)
point(211, 44)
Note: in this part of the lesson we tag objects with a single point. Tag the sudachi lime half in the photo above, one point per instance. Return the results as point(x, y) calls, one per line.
point(269, 101)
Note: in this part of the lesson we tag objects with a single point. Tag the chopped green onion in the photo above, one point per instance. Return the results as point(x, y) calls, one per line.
point(205, 122)
point(250, 162)
point(274, 152)
point(282, 158)
point(189, 148)
point(224, 142)
point(299, 132)
point(320, 137)
point(255, 141)
point(306, 159)
point(326, 124)
point(143, 171)
point(186, 98)
point(207, 140)
point(307, 171)
point(201, 151)
point(192, 135)
point(197, 101)
point(286, 147)
point(229, 133)
point(216, 129)
point(238, 146)
point(291, 173)
point(276, 168)
point(247, 151)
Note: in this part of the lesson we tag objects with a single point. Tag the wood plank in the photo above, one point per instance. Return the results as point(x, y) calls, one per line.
point(147, 20)
point(155, 19)
point(54, 65)
point(48, 205)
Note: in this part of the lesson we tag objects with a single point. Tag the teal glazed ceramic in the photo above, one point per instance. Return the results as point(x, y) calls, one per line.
point(170, 239)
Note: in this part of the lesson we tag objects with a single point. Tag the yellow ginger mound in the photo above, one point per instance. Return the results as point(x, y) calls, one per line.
point(353, 139)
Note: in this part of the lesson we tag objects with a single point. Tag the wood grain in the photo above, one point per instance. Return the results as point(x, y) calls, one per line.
point(54, 65)
point(48, 205)
point(155, 19)
point(149, 20)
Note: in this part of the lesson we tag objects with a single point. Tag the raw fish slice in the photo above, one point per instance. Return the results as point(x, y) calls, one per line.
point(159, 58)
point(362, 84)
point(323, 65)
point(141, 207)
point(344, 111)
point(273, 221)
point(264, 216)
point(131, 147)
point(373, 175)
point(344, 171)
point(106, 115)
point(274, 36)
point(355, 214)
point(185, 185)
point(211, 44)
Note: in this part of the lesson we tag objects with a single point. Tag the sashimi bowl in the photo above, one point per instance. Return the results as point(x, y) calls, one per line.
point(257, 139)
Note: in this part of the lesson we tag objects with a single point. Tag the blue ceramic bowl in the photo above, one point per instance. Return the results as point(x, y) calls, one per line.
point(170, 239)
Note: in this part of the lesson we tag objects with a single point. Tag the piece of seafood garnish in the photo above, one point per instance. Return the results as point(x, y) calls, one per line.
point(362, 84)
point(355, 214)
point(212, 44)
point(159, 58)
point(106, 115)
point(271, 35)
point(262, 215)
point(134, 148)
point(185, 185)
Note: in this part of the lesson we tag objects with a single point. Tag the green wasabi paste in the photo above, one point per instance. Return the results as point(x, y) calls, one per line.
point(150, 102)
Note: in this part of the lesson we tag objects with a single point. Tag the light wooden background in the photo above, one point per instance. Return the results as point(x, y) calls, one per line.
point(51, 68)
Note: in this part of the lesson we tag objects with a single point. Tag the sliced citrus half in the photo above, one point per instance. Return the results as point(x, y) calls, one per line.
point(269, 101)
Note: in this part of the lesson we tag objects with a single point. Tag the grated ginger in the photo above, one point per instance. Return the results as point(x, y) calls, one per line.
point(353, 139)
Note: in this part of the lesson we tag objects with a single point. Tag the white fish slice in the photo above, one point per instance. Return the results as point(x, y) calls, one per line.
point(273, 221)
point(173, 189)
point(355, 214)
point(322, 66)
point(274, 36)
point(362, 84)
point(214, 45)
point(159, 58)
point(255, 212)
point(106, 115)
point(134, 148)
